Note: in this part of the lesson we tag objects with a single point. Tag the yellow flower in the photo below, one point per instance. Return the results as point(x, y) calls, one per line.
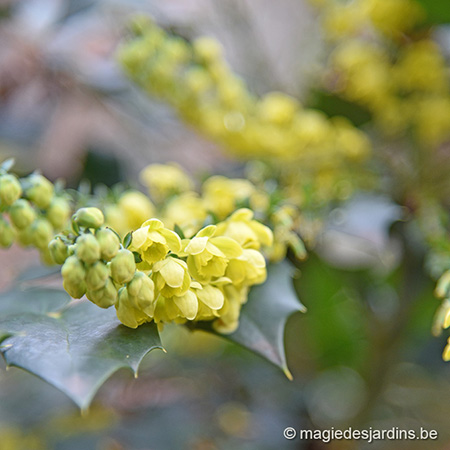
point(136, 207)
point(221, 194)
point(208, 256)
point(248, 269)
point(187, 211)
point(446, 354)
point(126, 312)
point(228, 321)
point(241, 227)
point(164, 180)
point(152, 241)
point(141, 293)
point(171, 277)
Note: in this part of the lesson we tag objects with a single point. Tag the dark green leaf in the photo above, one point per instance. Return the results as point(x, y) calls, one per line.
point(263, 317)
point(75, 347)
point(137, 257)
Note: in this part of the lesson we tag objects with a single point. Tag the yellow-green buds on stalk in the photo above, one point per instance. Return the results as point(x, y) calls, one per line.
point(10, 189)
point(6, 234)
point(123, 267)
point(87, 249)
point(89, 218)
point(109, 243)
point(96, 276)
point(39, 190)
point(141, 293)
point(127, 313)
point(74, 273)
point(22, 214)
point(104, 297)
point(58, 250)
point(58, 212)
point(41, 233)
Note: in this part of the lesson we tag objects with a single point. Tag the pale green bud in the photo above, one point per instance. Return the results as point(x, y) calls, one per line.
point(6, 234)
point(73, 270)
point(109, 243)
point(58, 212)
point(10, 189)
point(25, 236)
point(58, 250)
point(41, 233)
point(22, 214)
point(89, 218)
point(87, 249)
point(104, 297)
point(123, 267)
point(39, 190)
point(141, 293)
point(96, 276)
point(127, 314)
point(75, 290)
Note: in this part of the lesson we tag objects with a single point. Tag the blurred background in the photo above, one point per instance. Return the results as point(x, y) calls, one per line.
point(362, 356)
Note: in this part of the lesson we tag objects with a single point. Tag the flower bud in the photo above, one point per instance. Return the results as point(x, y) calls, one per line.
point(39, 190)
point(75, 290)
point(58, 212)
point(6, 234)
point(58, 250)
point(109, 243)
point(25, 237)
point(87, 249)
point(96, 276)
point(41, 233)
point(104, 297)
point(73, 271)
point(89, 218)
point(10, 189)
point(123, 267)
point(127, 314)
point(141, 293)
point(22, 214)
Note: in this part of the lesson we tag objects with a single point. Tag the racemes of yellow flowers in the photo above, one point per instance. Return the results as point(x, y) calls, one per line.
point(163, 278)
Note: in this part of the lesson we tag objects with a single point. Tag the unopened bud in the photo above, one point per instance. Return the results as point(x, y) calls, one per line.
point(123, 267)
point(109, 243)
point(58, 250)
point(25, 237)
point(75, 290)
point(41, 233)
point(87, 249)
point(104, 297)
point(39, 190)
point(96, 276)
point(10, 189)
point(141, 292)
point(73, 270)
point(6, 234)
point(22, 214)
point(58, 212)
point(89, 218)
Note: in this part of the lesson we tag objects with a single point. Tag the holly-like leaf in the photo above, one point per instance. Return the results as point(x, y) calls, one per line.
point(74, 346)
point(264, 316)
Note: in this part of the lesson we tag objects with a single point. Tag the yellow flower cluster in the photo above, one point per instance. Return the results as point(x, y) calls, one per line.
point(197, 82)
point(178, 205)
point(31, 213)
point(161, 276)
point(403, 81)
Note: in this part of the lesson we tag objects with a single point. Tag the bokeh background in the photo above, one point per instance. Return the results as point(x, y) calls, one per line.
point(362, 356)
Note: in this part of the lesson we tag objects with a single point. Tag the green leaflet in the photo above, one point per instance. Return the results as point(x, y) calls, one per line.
point(264, 316)
point(75, 347)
